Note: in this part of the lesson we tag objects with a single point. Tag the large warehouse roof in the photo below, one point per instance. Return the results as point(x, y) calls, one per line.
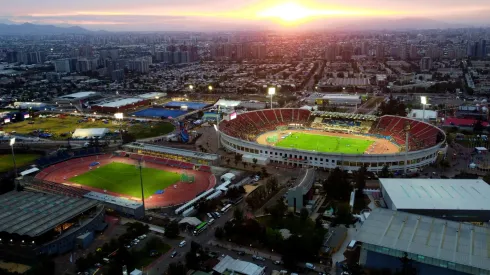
point(455, 242)
point(32, 214)
point(120, 102)
point(78, 95)
point(456, 194)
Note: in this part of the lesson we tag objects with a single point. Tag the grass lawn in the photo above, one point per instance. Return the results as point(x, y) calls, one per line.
point(150, 130)
point(125, 179)
point(57, 126)
point(7, 164)
point(321, 143)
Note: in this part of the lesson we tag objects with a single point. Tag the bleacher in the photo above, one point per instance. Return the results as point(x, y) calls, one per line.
point(422, 135)
point(250, 124)
point(61, 156)
point(56, 188)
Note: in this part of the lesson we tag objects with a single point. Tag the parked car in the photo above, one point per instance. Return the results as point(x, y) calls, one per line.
point(174, 253)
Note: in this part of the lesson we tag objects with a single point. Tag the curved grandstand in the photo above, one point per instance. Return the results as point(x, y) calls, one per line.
point(297, 137)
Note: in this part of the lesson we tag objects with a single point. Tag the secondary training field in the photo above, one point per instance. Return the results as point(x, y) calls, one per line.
point(175, 194)
point(326, 142)
point(125, 179)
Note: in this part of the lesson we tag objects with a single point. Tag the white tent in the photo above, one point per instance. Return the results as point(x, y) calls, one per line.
point(90, 132)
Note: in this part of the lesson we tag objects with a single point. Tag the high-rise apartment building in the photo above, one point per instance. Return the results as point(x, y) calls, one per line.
point(380, 51)
point(425, 64)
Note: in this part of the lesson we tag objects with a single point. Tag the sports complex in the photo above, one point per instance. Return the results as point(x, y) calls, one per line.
point(298, 138)
point(166, 182)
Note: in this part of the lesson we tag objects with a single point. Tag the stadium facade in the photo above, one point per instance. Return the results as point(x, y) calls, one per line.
point(425, 143)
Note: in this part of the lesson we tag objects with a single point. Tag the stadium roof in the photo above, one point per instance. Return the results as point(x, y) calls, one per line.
point(344, 115)
point(306, 181)
point(237, 266)
point(78, 95)
point(442, 194)
point(227, 103)
point(455, 242)
point(173, 151)
point(113, 200)
point(90, 132)
point(153, 95)
point(120, 102)
point(32, 214)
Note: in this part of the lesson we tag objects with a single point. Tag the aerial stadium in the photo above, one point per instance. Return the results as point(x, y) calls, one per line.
point(301, 138)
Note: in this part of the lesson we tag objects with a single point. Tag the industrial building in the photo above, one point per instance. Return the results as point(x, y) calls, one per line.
point(300, 196)
point(453, 199)
point(120, 205)
point(119, 105)
point(38, 223)
point(436, 246)
point(76, 97)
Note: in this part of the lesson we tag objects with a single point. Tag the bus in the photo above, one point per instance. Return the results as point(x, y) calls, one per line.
point(226, 208)
point(200, 228)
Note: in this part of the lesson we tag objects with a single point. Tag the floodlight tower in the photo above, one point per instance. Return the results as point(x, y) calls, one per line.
point(271, 91)
point(12, 142)
point(120, 117)
point(423, 100)
point(407, 137)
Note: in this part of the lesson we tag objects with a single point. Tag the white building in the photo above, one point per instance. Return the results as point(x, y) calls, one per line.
point(229, 265)
point(90, 133)
point(420, 114)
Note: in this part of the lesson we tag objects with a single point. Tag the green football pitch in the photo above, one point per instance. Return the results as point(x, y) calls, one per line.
point(326, 144)
point(125, 179)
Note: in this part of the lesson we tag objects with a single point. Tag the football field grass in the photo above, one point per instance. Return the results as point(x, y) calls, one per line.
point(125, 179)
point(326, 144)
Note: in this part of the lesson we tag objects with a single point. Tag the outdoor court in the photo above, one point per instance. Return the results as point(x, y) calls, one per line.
point(174, 194)
point(327, 142)
point(125, 179)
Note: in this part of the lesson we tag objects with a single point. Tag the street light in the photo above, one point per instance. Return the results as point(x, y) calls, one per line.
point(210, 88)
point(12, 142)
point(271, 91)
point(191, 87)
point(423, 100)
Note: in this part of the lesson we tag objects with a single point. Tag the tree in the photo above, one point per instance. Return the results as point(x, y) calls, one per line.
point(238, 214)
point(254, 160)
point(176, 269)
point(271, 185)
point(238, 158)
point(361, 180)
point(407, 267)
point(392, 107)
point(264, 172)
point(228, 161)
point(343, 214)
point(478, 128)
point(385, 172)
point(219, 232)
point(304, 214)
point(278, 210)
point(172, 229)
point(337, 185)
point(127, 138)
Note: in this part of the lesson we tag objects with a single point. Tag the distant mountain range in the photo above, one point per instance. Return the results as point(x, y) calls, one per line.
point(28, 28)
point(9, 28)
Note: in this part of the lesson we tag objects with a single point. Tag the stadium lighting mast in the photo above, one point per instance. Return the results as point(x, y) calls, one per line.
point(12, 142)
point(423, 100)
point(407, 135)
point(140, 165)
point(120, 117)
point(271, 91)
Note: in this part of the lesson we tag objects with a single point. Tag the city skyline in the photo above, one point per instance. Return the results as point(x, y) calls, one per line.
point(149, 15)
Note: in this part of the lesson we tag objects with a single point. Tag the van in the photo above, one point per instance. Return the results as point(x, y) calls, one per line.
point(310, 266)
point(210, 216)
point(182, 243)
point(211, 221)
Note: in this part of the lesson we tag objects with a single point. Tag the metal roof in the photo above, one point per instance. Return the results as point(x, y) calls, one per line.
point(455, 242)
point(238, 266)
point(442, 194)
point(32, 214)
point(113, 200)
point(170, 150)
point(78, 95)
point(120, 102)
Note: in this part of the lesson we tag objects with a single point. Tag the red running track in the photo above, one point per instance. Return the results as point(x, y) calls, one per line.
point(183, 192)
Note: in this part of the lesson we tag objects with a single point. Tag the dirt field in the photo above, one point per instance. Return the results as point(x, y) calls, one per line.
point(380, 146)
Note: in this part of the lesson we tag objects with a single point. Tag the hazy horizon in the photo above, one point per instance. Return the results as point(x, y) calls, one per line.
point(152, 15)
